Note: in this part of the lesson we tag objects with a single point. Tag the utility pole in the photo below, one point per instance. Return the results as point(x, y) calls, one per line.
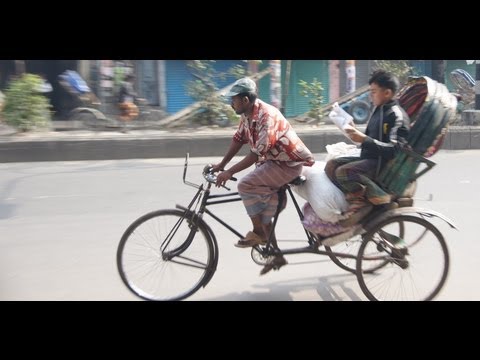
point(275, 83)
point(20, 67)
point(286, 86)
point(477, 85)
point(334, 75)
point(252, 67)
point(438, 70)
point(351, 76)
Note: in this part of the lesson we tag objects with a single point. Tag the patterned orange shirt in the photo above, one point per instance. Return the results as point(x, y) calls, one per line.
point(271, 136)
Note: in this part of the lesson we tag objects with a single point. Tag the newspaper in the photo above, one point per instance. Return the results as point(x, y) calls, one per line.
point(342, 120)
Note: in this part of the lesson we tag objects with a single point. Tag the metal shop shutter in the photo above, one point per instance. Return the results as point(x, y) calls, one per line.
point(147, 71)
point(300, 70)
point(304, 70)
point(422, 67)
point(177, 76)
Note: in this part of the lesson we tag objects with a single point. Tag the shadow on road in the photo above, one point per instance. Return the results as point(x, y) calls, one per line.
point(324, 288)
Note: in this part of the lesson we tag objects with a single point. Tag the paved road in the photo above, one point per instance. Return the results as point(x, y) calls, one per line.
point(61, 223)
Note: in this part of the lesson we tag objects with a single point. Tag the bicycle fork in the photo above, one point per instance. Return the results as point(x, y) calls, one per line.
point(193, 219)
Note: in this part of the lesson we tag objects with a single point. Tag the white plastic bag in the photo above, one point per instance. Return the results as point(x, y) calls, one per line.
point(326, 199)
point(341, 149)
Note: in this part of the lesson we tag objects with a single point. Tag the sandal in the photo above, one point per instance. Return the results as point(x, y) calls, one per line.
point(250, 240)
point(276, 263)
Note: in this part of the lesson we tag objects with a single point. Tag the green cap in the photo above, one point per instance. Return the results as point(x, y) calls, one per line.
point(244, 85)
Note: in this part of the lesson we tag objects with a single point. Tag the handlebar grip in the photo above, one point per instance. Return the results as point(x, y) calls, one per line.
point(233, 178)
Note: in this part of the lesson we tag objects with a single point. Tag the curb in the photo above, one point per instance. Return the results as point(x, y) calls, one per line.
point(66, 146)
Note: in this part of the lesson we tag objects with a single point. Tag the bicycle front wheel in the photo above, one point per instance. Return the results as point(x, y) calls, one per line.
point(166, 255)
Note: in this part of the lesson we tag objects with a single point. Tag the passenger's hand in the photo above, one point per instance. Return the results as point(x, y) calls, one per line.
point(223, 177)
point(354, 134)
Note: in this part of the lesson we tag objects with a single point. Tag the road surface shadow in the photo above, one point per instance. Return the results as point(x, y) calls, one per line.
point(324, 288)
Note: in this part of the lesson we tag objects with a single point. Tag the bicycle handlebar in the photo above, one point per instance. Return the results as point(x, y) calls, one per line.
point(211, 177)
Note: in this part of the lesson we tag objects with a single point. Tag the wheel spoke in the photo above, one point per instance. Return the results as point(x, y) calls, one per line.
point(415, 260)
point(196, 263)
point(152, 276)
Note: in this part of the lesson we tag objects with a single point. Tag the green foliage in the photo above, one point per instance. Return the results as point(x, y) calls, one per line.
point(238, 71)
point(400, 68)
point(313, 91)
point(204, 89)
point(25, 108)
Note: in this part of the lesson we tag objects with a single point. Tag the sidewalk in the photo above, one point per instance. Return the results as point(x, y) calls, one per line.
point(67, 144)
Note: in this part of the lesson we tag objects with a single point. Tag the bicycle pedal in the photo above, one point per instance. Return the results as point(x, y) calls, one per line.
point(275, 264)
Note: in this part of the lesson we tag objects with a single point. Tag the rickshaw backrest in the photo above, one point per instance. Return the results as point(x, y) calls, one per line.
point(431, 108)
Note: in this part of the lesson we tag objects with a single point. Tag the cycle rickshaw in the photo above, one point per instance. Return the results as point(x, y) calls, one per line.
point(396, 254)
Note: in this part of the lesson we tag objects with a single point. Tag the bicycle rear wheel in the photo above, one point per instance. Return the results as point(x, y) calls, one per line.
point(166, 255)
point(414, 266)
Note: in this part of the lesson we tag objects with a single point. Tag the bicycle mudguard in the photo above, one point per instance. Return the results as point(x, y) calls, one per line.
point(407, 211)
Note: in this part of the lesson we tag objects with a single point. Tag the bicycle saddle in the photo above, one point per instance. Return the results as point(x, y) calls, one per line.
point(299, 180)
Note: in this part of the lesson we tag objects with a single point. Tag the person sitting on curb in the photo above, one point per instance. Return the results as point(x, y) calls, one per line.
point(278, 154)
point(126, 99)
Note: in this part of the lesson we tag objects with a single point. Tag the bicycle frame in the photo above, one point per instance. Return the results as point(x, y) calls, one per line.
point(205, 198)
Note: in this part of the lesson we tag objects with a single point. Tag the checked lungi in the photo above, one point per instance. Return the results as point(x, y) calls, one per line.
point(354, 177)
point(259, 188)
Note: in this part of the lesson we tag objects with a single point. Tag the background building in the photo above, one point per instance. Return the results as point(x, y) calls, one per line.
point(163, 82)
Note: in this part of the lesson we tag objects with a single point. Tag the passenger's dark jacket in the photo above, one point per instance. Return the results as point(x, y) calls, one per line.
point(387, 129)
